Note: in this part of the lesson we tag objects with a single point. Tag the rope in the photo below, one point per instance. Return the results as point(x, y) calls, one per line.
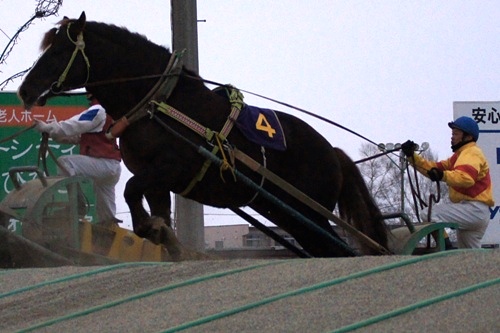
point(42, 153)
point(241, 90)
point(268, 196)
point(79, 47)
point(377, 155)
point(16, 134)
point(416, 194)
point(262, 179)
point(42, 156)
point(433, 199)
point(225, 165)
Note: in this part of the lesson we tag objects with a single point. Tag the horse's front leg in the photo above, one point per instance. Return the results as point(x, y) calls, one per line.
point(159, 202)
point(156, 228)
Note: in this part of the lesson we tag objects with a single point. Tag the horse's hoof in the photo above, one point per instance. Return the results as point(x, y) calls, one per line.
point(160, 233)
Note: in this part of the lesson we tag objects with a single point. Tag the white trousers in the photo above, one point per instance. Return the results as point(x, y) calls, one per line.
point(104, 173)
point(472, 218)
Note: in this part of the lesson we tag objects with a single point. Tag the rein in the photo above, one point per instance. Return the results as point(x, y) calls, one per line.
point(43, 151)
point(243, 91)
point(377, 155)
point(176, 74)
point(416, 195)
point(173, 69)
point(15, 135)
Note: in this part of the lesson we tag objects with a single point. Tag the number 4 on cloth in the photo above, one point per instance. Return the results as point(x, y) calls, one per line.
point(263, 125)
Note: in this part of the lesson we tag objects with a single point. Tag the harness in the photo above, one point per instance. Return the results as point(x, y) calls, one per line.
point(79, 47)
point(163, 88)
point(154, 101)
point(150, 104)
point(236, 100)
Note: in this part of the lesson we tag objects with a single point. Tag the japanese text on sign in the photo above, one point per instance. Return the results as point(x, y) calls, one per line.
point(15, 116)
point(484, 116)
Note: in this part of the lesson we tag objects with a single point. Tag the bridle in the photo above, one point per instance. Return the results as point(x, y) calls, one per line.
point(55, 87)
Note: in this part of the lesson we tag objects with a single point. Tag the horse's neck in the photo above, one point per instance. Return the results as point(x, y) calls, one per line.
point(121, 86)
point(128, 90)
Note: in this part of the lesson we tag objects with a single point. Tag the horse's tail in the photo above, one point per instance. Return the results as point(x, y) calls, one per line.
point(357, 206)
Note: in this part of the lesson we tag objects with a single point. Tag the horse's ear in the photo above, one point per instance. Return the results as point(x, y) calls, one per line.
point(80, 23)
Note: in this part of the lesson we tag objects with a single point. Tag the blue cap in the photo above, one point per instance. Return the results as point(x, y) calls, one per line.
point(467, 125)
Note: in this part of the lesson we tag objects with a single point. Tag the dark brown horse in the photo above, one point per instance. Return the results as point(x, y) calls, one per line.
point(120, 68)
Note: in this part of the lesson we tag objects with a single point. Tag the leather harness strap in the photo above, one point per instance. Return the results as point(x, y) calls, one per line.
point(236, 100)
point(162, 89)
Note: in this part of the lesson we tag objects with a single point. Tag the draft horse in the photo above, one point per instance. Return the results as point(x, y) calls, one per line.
point(123, 70)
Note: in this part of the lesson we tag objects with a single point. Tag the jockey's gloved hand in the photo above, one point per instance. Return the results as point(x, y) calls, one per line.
point(41, 126)
point(435, 174)
point(408, 148)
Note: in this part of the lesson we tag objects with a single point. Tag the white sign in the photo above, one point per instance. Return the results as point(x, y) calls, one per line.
point(487, 116)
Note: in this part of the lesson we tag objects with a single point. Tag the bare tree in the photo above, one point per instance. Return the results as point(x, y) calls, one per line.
point(44, 8)
point(380, 175)
point(395, 186)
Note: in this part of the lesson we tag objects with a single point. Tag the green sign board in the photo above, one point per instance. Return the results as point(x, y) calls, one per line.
point(21, 148)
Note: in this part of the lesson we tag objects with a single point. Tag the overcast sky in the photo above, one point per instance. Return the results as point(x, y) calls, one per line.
point(389, 70)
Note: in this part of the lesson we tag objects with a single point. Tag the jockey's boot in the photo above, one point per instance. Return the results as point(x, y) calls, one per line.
point(448, 245)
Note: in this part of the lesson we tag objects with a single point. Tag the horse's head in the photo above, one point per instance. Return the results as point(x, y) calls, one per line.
point(62, 66)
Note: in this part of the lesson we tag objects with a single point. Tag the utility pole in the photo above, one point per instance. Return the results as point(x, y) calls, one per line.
point(189, 214)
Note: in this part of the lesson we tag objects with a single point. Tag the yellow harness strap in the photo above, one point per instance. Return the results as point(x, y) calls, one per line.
point(220, 137)
point(236, 100)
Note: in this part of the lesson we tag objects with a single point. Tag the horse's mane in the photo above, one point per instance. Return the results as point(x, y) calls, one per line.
point(107, 31)
point(49, 36)
point(126, 38)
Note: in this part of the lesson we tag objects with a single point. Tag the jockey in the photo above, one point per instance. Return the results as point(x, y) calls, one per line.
point(99, 157)
point(467, 175)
